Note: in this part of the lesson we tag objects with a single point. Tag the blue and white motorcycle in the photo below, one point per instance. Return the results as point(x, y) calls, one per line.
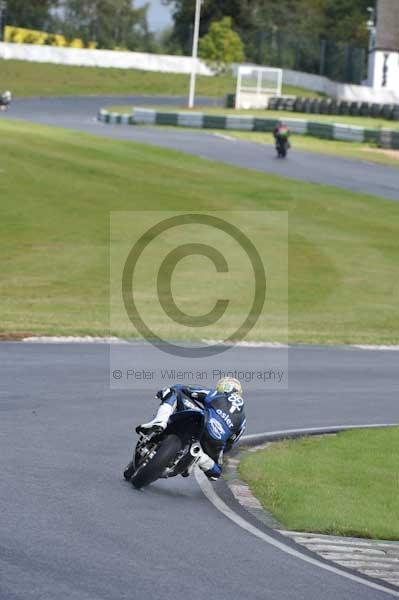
point(170, 452)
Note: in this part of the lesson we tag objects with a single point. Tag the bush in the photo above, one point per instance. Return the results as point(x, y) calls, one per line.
point(221, 46)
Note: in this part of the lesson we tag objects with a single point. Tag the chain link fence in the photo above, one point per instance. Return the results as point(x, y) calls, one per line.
point(338, 61)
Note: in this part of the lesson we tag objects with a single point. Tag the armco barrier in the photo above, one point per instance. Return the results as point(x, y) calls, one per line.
point(190, 120)
point(214, 122)
point(144, 116)
point(166, 118)
point(348, 133)
point(239, 123)
point(264, 124)
point(321, 130)
point(385, 138)
point(395, 140)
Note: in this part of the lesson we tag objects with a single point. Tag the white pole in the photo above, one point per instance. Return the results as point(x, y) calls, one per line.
point(238, 88)
point(194, 54)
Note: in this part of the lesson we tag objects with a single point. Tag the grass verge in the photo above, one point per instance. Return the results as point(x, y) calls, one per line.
point(58, 188)
point(356, 151)
point(343, 485)
point(45, 79)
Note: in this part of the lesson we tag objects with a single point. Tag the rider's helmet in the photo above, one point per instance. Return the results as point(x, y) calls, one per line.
point(7, 96)
point(229, 385)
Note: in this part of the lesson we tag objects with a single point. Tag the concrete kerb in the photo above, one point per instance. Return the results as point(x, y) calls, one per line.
point(385, 138)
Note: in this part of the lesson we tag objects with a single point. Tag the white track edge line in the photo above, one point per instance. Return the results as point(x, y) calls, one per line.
point(221, 506)
point(208, 491)
point(272, 345)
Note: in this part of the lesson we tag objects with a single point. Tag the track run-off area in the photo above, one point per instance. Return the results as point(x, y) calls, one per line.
point(80, 113)
point(71, 528)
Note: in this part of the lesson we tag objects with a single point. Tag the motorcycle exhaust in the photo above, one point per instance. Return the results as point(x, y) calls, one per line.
point(195, 450)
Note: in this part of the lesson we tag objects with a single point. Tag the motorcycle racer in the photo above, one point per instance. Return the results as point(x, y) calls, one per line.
point(281, 131)
point(5, 100)
point(225, 424)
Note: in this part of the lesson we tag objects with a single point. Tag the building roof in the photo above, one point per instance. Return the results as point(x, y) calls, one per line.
point(387, 34)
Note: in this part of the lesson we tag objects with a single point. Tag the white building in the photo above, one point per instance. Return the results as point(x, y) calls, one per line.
point(383, 66)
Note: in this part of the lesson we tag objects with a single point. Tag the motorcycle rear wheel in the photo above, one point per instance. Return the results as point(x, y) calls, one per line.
point(151, 471)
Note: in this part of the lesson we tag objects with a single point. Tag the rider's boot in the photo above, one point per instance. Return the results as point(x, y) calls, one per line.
point(211, 469)
point(159, 422)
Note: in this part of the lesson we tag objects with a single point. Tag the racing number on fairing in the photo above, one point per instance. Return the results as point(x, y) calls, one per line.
point(236, 402)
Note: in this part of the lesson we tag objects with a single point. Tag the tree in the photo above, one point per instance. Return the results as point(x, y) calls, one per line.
point(110, 23)
point(338, 20)
point(346, 21)
point(242, 13)
point(221, 46)
point(35, 14)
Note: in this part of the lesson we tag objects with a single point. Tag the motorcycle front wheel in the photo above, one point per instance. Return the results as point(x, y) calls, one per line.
point(154, 468)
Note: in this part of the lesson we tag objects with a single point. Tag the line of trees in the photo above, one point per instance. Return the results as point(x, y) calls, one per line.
point(322, 36)
point(109, 23)
point(338, 20)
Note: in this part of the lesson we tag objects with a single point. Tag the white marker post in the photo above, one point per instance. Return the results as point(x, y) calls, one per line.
point(194, 54)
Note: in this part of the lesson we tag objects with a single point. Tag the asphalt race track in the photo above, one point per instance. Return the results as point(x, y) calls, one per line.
point(79, 113)
point(72, 529)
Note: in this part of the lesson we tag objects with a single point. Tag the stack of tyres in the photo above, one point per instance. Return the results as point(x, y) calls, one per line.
point(354, 109)
point(289, 104)
point(375, 110)
point(387, 111)
point(230, 101)
point(344, 108)
point(333, 108)
point(306, 105)
point(325, 106)
point(279, 104)
point(315, 106)
point(298, 104)
point(272, 103)
point(365, 109)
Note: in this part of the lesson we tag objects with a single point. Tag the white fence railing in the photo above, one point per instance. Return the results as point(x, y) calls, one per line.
point(101, 58)
point(339, 91)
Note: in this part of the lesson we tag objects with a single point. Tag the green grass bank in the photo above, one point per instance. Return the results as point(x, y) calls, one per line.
point(26, 79)
point(346, 484)
point(58, 188)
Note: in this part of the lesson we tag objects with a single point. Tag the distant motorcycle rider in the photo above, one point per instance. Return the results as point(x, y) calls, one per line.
point(281, 131)
point(5, 100)
point(225, 423)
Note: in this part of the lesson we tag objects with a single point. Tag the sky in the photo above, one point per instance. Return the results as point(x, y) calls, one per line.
point(159, 16)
